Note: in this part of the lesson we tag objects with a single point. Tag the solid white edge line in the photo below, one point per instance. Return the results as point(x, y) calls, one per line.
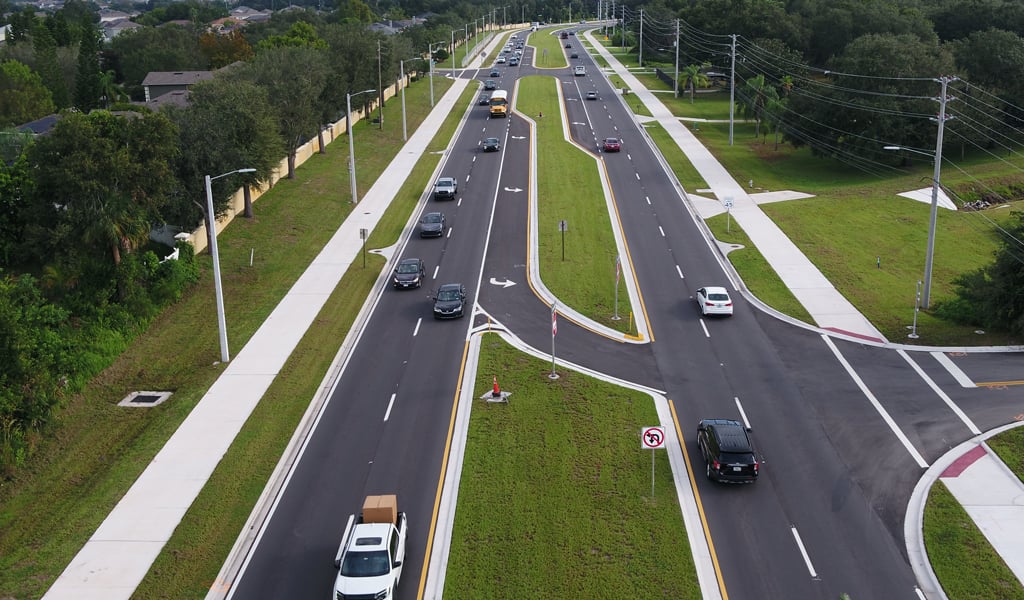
point(707, 333)
point(680, 271)
point(416, 329)
point(954, 370)
point(803, 552)
point(878, 405)
point(743, 414)
point(935, 388)
point(391, 403)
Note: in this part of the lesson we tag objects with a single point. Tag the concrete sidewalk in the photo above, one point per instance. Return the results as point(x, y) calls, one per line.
point(118, 555)
point(829, 308)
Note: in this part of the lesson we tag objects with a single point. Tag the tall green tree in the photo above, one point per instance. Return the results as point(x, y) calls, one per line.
point(227, 125)
point(23, 97)
point(294, 79)
point(145, 49)
point(754, 98)
point(45, 51)
point(88, 82)
point(102, 181)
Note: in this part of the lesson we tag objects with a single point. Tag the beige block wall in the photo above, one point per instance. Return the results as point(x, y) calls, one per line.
point(236, 205)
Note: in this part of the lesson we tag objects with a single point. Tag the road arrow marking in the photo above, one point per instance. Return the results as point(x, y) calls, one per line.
point(503, 283)
point(518, 137)
point(516, 190)
point(578, 123)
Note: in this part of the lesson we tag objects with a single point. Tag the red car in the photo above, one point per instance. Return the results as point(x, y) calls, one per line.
point(612, 145)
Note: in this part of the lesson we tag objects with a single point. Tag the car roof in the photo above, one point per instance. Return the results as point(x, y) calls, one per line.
point(732, 435)
point(370, 536)
point(446, 180)
point(410, 261)
point(716, 289)
point(450, 286)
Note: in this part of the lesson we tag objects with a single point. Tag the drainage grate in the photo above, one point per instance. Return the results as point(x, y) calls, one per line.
point(144, 399)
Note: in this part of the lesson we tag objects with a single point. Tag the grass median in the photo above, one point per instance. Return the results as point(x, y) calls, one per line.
point(555, 496)
point(569, 188)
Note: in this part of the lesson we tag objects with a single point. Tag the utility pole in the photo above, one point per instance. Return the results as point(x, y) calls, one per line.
point(623, 29)
point(380, 89)
point(732, 88)
point(640, 58)
point(675, 86)
point(929, 258)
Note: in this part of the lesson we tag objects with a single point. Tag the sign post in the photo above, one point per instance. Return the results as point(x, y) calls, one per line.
point(652, 438)
point(362, 235)
point(727, 202)
point(563, 227)
point(554, 332)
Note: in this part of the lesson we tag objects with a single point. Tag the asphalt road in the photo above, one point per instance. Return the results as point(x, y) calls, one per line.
point(845, 429)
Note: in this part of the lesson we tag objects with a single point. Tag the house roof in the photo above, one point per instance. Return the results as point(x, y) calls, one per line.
point(172, 98)
point(39, 126)
point(176, 77)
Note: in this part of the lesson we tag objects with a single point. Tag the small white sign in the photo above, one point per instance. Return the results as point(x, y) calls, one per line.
point(727, 201)
point(652, 438)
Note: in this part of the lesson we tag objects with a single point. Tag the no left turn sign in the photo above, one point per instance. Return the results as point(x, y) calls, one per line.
point(652, 438)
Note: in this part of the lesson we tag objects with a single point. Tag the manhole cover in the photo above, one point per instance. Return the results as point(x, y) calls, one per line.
point(145, 399)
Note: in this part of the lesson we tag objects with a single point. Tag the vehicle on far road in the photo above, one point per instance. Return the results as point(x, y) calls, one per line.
point(574, 55)
point(579, 71)
point(592, 95)
point(611, 145)
point(499, 103)
point(714, 300)
point(568, 45)
point(483, 99)
point(727, 451)
point(495, 73)
point(491, 144)
point(501, 60)
point(490, 85)
point(432, 224)
point(450, 301)
point(513, 62)
point(408, 274)
point(445, 188)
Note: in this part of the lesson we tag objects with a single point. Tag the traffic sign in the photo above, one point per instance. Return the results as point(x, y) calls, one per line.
point(727, 201)
point(652, 438)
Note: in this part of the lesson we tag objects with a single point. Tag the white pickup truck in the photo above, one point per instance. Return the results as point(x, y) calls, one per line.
point(372, 551)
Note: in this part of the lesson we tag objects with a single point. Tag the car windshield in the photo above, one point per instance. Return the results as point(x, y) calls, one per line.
point(432, 218)
point(719, 297)
point(366, 564)
point(491, 141)
point(408, 268)
point(611, 141)
point(448, 295)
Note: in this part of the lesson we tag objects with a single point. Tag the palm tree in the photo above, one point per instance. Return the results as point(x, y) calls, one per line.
point(756, 95)
point(693, 76)
point(111, 91)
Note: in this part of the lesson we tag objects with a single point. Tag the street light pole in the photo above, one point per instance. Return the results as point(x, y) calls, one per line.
point(351, 143)
point(401, 66)
point(211, 220)
point(430, 57)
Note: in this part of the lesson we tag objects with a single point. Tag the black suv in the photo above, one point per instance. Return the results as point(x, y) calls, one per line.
point(726, 449)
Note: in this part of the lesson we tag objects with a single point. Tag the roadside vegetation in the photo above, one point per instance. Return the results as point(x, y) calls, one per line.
point(569, 188)
point(555, 496)
point(100, 448)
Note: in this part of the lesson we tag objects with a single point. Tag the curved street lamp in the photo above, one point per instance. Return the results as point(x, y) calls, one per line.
point(211, 218)
point(351, 144)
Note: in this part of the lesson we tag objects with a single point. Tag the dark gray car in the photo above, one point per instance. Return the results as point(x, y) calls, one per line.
point(450, 301)
point(491, 144)
point(432, 224)
point(408, 274)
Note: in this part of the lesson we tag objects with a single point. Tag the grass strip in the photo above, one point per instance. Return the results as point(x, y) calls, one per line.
point(555, 496)
point(965, 563)
point(1009, 445)
point(569, 188)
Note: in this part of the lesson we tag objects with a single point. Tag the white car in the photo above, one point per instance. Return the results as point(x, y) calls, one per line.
point(579, 71)
point(501, 60)
point(714, 300)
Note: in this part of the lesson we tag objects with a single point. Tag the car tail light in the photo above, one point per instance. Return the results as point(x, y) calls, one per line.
point(709, 303)
point(728, 303)
point(757, 465)
point(716, 465)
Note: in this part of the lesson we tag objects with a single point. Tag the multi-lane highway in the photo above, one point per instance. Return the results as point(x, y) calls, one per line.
point(845, 429)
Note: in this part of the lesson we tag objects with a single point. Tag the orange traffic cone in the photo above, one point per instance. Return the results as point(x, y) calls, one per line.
point(496, 392)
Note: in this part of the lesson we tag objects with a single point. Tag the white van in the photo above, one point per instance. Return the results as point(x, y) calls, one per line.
point(579, 71)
